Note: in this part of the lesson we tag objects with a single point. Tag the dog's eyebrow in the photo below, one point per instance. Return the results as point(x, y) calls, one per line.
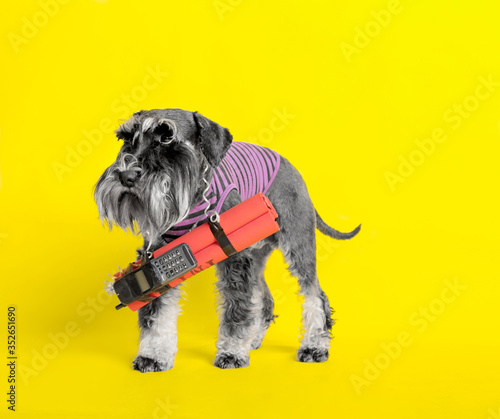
point(136, 136)
point(149, 123)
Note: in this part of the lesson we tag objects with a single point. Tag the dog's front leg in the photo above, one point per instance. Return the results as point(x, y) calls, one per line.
point(158, 341)
point(238, 288)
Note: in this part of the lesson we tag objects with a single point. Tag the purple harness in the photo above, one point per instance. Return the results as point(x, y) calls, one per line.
point(248, 168)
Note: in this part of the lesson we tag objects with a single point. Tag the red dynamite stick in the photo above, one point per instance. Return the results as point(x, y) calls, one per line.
point(245, 224)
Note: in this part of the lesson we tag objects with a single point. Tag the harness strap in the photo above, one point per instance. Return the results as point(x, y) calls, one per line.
point(221, 238)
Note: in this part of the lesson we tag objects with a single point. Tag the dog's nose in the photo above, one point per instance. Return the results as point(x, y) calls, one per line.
point(128, 178)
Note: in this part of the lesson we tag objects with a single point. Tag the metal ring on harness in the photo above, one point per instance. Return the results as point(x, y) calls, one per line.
point(213, 216)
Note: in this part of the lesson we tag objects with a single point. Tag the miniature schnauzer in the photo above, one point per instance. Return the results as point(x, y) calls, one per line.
point(168, 158)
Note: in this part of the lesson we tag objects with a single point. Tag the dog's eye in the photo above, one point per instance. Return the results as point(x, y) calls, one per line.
point(165, 130)
point(166, 139)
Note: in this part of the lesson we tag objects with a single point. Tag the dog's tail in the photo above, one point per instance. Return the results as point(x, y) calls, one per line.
point(331, 232)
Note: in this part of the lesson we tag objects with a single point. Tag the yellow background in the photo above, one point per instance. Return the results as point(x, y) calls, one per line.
point(359, 103)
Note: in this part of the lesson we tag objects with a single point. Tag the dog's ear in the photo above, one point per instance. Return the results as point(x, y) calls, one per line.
point(213, 139)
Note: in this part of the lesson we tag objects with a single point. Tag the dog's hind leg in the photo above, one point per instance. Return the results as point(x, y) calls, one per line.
point(297, 241)
point(300, 254)
point(158, 340)
point(316, 312)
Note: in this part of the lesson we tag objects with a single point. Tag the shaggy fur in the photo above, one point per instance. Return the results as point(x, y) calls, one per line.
point(156, 179)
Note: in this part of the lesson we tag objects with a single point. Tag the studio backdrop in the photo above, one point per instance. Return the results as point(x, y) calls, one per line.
point(390, 112)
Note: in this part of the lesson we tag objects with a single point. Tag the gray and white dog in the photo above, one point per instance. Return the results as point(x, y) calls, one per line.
point(157, 178)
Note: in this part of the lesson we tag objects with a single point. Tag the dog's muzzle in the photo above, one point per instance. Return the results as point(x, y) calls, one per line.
point(128, 178)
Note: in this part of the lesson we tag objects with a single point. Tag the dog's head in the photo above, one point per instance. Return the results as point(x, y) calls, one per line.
point(158, 174)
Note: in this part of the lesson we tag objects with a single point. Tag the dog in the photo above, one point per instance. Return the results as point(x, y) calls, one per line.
point(174, 167)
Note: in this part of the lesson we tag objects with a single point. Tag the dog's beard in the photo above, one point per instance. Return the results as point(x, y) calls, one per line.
point(118, 205)
point(157, 202)
point(164, 204)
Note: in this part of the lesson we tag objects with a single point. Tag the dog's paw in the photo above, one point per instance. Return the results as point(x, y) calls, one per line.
point(144, 364)
point(312, 355)
point(226, 361)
